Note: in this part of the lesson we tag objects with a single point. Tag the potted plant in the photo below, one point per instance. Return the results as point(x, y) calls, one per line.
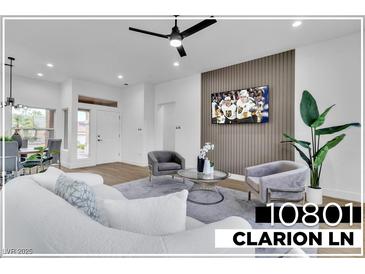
point(314, 154)
point(6, 139)
point(203, 161)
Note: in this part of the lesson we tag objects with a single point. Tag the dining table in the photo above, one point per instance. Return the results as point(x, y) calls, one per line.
point(28, 150)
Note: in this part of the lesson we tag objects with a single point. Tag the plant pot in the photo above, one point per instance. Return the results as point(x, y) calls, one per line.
point(200, 165)
point(314, 195)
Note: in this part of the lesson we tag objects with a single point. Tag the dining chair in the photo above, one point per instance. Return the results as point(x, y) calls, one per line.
point(11, 156)
point(53, 152)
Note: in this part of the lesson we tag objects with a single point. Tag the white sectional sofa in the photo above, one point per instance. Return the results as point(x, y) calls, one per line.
point(38, 219)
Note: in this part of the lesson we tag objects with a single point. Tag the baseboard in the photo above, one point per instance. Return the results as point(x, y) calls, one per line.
point(66, 165)
point(78, 165)
point(134, 163)
point(237, 177)
point(341, 194)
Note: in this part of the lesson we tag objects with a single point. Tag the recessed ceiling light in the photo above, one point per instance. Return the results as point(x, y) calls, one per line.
point(120, 76)
point(50, 65)
point(296, 24)
point(40, 74)
point(176, 64)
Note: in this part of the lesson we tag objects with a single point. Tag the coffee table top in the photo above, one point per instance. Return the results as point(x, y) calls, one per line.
point(194, 175)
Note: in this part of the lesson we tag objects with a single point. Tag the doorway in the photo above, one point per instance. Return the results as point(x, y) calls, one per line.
point(107, 136)
point(167, 119)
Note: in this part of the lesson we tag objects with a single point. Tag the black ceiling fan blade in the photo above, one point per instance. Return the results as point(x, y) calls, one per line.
point(198, 27)
point(149, 32)
point(181, 51)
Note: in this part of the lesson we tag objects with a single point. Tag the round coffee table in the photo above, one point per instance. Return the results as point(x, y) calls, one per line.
point(204, 182)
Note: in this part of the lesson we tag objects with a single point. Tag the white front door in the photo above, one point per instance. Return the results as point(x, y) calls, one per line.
point(107, 137)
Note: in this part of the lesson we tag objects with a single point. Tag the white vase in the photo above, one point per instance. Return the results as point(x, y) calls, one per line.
point(314, 195)
point(206, 169)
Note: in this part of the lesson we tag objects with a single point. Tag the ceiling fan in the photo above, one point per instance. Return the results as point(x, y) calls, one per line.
point(176, 36)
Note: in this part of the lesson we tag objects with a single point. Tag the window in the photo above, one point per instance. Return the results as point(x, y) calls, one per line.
point(83, 133)
point(36, 125)
point(65, 128)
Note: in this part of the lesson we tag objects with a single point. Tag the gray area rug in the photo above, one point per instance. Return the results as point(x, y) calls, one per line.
point(235, 203)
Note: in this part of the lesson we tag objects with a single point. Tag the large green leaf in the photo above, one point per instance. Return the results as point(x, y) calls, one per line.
point(34, 157)
point(308, 108)
point(304, 144)
point(320, 156)
point(330, 130)
point(335, 141)
point(320, 120)
point(304, 157)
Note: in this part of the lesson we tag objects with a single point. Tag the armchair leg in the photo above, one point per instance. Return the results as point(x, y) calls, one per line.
point(173, 177)
point(268, 196)
point(249, 195)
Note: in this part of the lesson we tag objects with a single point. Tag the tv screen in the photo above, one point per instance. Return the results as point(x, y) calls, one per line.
point(242, 106)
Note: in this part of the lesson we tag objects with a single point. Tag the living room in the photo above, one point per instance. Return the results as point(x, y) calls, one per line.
point(115, 97)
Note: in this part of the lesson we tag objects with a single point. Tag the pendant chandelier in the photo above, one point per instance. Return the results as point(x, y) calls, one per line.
point(10, 101)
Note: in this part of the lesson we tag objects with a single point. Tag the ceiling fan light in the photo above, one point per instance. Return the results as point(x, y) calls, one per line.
point(175, 43)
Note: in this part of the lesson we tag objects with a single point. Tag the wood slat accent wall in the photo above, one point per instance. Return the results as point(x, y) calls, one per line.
point(238, 146)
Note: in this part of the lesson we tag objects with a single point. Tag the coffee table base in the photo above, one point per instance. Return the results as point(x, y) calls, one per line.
point(214, 190)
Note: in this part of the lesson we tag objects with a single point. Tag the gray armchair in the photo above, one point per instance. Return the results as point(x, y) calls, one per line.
point(278, 181)
point(164, 163)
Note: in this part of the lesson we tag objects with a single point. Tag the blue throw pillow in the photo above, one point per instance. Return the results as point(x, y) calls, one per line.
point(78, 194)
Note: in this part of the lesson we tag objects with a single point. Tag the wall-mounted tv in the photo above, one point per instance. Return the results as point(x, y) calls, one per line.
point(242, 106)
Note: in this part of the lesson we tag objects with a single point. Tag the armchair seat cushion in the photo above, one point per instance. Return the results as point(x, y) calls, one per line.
point(254, 182)
point(168, 166)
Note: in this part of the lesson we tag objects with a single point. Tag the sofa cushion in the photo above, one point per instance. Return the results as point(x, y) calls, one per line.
point(103, 192)
point(192, 223)
point(254, 182)
point(150, 216)
point(91, 179)
point(78, 194)
point(168, 166)
point(48, 178)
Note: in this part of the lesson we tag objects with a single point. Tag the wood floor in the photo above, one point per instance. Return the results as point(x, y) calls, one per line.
point(116, 173)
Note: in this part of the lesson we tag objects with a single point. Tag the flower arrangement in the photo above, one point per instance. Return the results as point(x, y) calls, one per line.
point(204, 150)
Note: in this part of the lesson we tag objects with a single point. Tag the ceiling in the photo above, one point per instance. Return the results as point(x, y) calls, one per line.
point(100, 50)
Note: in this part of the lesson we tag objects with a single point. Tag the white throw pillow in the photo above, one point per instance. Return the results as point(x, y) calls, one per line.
point(48, 178)
point(151, 216)
point(103, 192)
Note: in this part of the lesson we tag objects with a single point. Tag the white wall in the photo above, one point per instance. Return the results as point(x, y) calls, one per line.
point(133, 124)
point(185, 93)
point(44, 94)
point(149, 119)
point(71, 90)
point(331, 71)
point(34, 93)
point(66, 103)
